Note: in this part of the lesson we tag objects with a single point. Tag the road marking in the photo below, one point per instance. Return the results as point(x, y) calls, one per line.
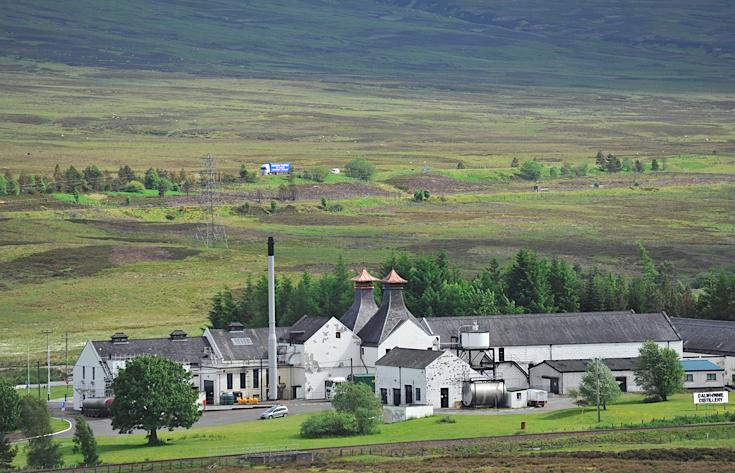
point(68, 428)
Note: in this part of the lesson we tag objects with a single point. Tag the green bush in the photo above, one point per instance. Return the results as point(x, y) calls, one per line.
point(530, 170)
point(421, 195)
point(360, 168)
point(134, 186)
point(317, 174)
point(329, 424)
point(360, 401)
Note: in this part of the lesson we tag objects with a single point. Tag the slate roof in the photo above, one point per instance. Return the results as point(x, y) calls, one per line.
point(409, 358)
point(233, 349)
point(362, 308)
point(715, 337)
point(699, 365)
point(392, 311)
point(580, 366)
point(303, 329)
point(188, 350)
point(560, 329)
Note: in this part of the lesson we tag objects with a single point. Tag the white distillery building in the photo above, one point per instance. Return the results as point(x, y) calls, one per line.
point(100, 360)
point(713, 340)
point(703, 375)
point(317, 349)
point(406, 376)
point(559, 376)
point(238, 364)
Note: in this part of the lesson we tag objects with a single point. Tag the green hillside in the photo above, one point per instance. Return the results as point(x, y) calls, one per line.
point(596, 43)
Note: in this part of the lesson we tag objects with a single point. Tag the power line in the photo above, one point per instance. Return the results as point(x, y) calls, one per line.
point(209, 233)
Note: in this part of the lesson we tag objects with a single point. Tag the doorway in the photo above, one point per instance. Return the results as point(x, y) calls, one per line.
point(622, 383)
point(554, 385)
point(396, 396)
point(444, 398)
point(409, 393)
point(209, 391)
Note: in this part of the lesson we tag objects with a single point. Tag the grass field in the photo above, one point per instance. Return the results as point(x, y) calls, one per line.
point(283, 433)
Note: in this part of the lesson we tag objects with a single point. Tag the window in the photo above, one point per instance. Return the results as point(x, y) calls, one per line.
point(711, 376)
point(338, 334)
point(518, 396)
point(384, 395)
point(93, 373)
point(267, 378)
point(733, 378)
point(387, 350)
point(418, 394)
point(84, 372)
point(501, 354)
point(689, 378)
point(362, 350)
point(243, 379)
point(229, 380)
point(256, 378)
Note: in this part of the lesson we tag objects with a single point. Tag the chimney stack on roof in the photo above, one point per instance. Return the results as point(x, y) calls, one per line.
point(363, 306)
point(392, 311)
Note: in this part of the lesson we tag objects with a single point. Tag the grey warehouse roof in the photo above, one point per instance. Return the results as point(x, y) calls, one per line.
point(303, 329)
point(409, 358)
point(186, 350)
point(715, 337)
point(579, 366)
point(246, 344)
point(560, 329)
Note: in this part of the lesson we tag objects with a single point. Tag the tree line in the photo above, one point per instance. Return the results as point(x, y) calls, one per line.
point(529, 283)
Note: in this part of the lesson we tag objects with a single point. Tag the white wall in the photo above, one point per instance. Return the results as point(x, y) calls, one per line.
point(85, 386)
point(516, 399)
point(725, 362)
point(525, 355)
point(512, 375)
point(326, 356)
point(406, 335)
point(537, 377)
point(700, 380)
point(447, 371)
point(390, 377)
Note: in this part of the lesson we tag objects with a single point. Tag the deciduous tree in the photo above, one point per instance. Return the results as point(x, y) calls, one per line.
point(598, 380)
point(658, 371)
point(153, 393)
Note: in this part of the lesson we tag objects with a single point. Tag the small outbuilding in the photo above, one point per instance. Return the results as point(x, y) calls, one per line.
point(406, 376)
point(559, 376)
point(702, 374)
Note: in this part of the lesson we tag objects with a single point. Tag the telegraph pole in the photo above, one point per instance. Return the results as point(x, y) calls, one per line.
point(28, 369)
point(66, 367)
point(48, 365)
point(597, 377)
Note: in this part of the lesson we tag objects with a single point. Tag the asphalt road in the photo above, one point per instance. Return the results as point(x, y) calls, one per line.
point(103, 427)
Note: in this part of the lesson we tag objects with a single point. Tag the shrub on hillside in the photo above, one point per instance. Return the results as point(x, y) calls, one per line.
point(134, 186)
point(329, 424)
point(360, 168)
point(530, 170)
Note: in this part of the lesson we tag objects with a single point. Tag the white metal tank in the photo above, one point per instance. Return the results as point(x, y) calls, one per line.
point(483, 393)
point(475, 340)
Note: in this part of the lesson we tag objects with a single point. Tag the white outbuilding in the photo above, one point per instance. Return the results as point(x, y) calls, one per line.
point(559, 376)
point(406, 376)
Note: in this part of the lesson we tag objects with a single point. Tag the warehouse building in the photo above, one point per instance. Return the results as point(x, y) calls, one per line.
point(713, 340)
point(100, 360)
point(559, 376)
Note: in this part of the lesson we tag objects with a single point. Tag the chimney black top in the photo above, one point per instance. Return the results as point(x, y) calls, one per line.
point(235, 327)
point(177, 335)
point(119, 337)
point(271, 250)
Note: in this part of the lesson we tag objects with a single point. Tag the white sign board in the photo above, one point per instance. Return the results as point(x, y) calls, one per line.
point(717, 397)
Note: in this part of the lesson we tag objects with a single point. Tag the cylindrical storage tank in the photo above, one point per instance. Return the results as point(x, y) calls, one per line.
point(97, 407)
point(475, 340)
point(483, 393)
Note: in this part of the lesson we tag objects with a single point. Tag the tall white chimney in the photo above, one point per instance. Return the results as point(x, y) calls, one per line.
point(272, 347)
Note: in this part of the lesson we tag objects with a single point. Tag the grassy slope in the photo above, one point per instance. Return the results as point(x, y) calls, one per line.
point(527, 42)
point(283, 433)
point(134, 270)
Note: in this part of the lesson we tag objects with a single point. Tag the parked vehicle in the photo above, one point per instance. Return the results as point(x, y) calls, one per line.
point(330, 386)
point(274, 411)
point(97, 407)
point(537, 398)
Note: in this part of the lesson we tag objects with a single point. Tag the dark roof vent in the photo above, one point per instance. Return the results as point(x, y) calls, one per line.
point(235, 327)
point(177, 335)
point(119, 337)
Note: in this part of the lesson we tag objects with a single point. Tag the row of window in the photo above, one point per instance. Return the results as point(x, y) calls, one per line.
point(244, 379)
point(411, 395)
point(84, 372)
point(710, 377)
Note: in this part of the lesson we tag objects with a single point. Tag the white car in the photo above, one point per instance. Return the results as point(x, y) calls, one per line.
point(274, 411)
